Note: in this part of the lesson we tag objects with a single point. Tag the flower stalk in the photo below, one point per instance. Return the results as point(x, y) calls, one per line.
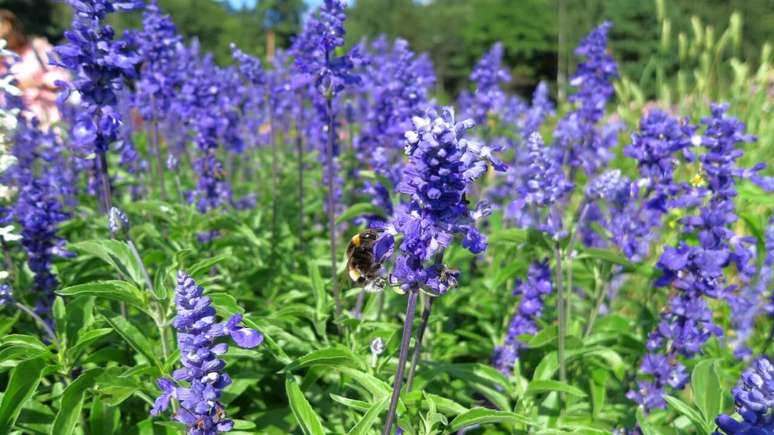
point(331, 203)
point(408, 323)
point(428, 308)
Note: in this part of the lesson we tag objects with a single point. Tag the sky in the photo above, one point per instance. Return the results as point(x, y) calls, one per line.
point(251, 3)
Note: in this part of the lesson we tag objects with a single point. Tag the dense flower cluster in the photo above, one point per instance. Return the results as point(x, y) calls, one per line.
point(754, 397)
point(533, 291)
point(631, 211)
point(100, 64)
point(488, 76)
point(314, 50)
point(399, 83)
point(697, 272)
point(202, 371)
point(768, 267)
point(750, 303)
point(326, 75)
point(544, 185)
point(9, 112)
point(42, 180)
point(580, 142)
point(159, 44)
point(540, 108)
point(442, 164)
point(201, 100)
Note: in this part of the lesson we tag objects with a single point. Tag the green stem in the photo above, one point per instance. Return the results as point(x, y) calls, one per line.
point(561, 307)
point(418, 346)
point(41, 322)
point(597, 304)
point(408, 323)
point(161, 322)
point(332, 205)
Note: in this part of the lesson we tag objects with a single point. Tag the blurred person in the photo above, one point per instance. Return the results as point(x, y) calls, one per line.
point(36, 78)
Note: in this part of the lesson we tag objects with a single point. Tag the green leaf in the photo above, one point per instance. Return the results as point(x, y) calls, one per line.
point(642, 422)
point(104, 419)
point(369, 418)
point(689, 411)
point(707, 391)
point(332, 357)
point(115, 290)
point(506, 273)
point(116, 253)
point(545, 385)
point(608, 256)
point(21, 340)
point(318, 288)
point(486, 416)
point(545, 336)
point(509, 236)
point(22, 384)
point(484, 379)
point(307, 419)
point(611, 357)
point(547, 366)
point(375, 386)
point(85, 339)
point(200, 269)
point(360, 209)
point(136, 339)
point(72, 402)
point(60, 320)
point(446, 406)
point(351, 403)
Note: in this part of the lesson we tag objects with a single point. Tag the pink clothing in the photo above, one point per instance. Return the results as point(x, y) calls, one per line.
point(37, 80)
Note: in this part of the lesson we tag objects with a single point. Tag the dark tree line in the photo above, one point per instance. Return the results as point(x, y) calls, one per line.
point(455, 32)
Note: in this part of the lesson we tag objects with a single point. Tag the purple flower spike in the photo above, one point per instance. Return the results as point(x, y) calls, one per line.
point(537, 286)
point(754, 397)
point(442, 164)
point(100, 65)
point(198, 384)
point(581, 141)
point(544, 186)
point(697, 272)
point(488, 75)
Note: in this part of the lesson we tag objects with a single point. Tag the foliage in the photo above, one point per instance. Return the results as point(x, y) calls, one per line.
point(541, 258)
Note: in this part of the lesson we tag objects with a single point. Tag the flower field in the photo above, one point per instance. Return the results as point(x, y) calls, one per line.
point(322, 242)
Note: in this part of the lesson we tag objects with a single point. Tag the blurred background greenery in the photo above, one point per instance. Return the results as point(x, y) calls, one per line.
point(645, 39)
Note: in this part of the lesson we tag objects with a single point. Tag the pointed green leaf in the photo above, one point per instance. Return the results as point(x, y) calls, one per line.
point(707, 391)
point(360, 209)
point(547, 385)
point(307, 419)
point(22, 384)
point(136, 339)
point(486, 416)
point(369, 418)
point(115, 290)
point(332, 357)
point(689, 411)
point(116, 253)
point(72, 402)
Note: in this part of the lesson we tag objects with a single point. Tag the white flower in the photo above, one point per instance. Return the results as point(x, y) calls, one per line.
point(4, 275)
point(7, 235)
point(6, 161)
point(5, 192)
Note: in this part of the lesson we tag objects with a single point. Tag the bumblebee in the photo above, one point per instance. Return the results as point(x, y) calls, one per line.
point(361, 263)
point(448, 277)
